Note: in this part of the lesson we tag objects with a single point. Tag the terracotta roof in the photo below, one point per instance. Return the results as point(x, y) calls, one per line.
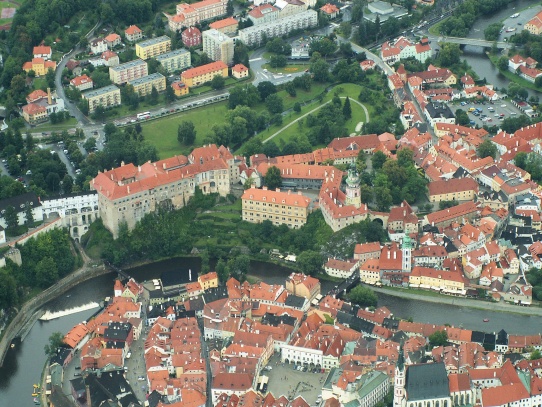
point(80, 80)
point(329, 8)
point(226, 22)
point(362, 248)
point(112, 37)
point(504, 395)
point(204, 69)
point(133, 29)
point(191, 32)
point(35, 95)
point(287, 198)
point(33, 108)
point(451, 186)
point(258, 12)
point(41, 49)
point(451, 213)
point(239, 68)
point(340, 264)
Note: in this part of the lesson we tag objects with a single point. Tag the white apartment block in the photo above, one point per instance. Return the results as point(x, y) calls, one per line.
point(218, 46)
point(108, 96)
point(253, 35)
point(128, 71)
point(176, 60)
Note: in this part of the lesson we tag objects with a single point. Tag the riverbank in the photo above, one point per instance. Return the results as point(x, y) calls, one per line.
point(29, 312)
point(460, 302)
point(524, 83)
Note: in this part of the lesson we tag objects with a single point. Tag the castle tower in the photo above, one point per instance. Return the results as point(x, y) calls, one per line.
point(353, 192)
point(406, 248)
point(399, 381)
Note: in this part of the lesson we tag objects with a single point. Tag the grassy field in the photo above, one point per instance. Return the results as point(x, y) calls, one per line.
point(162, 133)
point(68, 124)
point(39, 83)
point(347, 89)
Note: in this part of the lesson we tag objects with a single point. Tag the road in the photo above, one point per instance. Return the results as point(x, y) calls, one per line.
point(74, 111)
point(312, 111)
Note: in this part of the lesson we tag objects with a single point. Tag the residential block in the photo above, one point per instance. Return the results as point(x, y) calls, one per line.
point(153, 47)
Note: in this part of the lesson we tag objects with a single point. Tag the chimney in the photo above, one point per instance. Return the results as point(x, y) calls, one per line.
point(49, 97)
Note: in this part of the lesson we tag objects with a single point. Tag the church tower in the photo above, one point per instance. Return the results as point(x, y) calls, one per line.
point(406, 248)
point(399, 385)
point(353, 192)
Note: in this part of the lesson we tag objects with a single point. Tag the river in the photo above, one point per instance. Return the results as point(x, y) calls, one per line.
point(23, 364)
point(475, 55)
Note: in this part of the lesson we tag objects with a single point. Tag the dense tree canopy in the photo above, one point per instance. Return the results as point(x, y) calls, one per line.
point(363, 296)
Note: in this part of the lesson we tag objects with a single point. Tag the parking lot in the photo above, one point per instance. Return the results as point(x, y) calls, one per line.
point(490, 114)
point(284, 380)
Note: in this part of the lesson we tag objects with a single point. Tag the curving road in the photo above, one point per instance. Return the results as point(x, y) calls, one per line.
point(312, 111)
point(74, 111)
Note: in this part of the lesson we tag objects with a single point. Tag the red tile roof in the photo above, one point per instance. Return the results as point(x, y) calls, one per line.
point(133, 29)
point(204, 69)
point(226, 22)
point(451, 186)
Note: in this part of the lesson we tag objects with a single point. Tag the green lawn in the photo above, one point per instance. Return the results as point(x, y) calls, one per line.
point(65, 125)
point(162, 133)
point(39, 83)
point(345, 89)
point(435, 29)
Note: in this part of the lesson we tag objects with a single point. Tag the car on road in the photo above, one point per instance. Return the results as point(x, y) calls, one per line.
point(140, 378)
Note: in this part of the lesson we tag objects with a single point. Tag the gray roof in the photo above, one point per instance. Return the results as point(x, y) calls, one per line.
point(154, 41)
point(145, 79)
point(427, 381)
point(171, 54)
point(127, 65)
point(295, 301)
point(439, 110)
point(100, 91)
point(19, 202)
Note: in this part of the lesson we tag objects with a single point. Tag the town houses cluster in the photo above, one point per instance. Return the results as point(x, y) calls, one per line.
point(222, 343)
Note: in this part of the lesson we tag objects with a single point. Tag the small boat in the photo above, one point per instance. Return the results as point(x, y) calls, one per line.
point(486, 319)
point(12, 345)
point(35, 394)
point(36, 385)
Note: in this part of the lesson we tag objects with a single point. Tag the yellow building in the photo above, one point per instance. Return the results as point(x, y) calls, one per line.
point(303, 286)
point(534, 25)
point(451, 282)
point(34, 113)
point(205, 73)
point(281, 208)
point(209, 280)
point(39, 65)
point(239, 71)
point(108, 96)
point(153, 47)
point(179, 88)
point(456, 189)
point(143, 86)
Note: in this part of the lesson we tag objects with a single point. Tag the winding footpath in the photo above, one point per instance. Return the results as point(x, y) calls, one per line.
point(312, 111)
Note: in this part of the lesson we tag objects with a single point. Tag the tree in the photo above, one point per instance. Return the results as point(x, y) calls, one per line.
point(378, 159)
point(347, 109)
point(229, 7)
point(56, 340)
point(89, 144)
point(461, 117)
point(438, 338)
point(492, 32)
point(153, 97)
point(487, 149)
point(447, 204)
point(169, 96)
point(221, 270)
point(278, 61)
point(99, 114)
point(28, 215)
point(274, 104)
point(272, 179)
point(29, 142)
point(67, 184)
point(310, 262)
point(535, 355)
point(320, 70)
point(502, 64)
point(297, 107)
point(290, 88)
point(538, 81)
point(186, 133)
point(363, 296)
point(218, 82)
point(265, 89)
point(521, 160)
point(46, 272)
point(11, 218)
